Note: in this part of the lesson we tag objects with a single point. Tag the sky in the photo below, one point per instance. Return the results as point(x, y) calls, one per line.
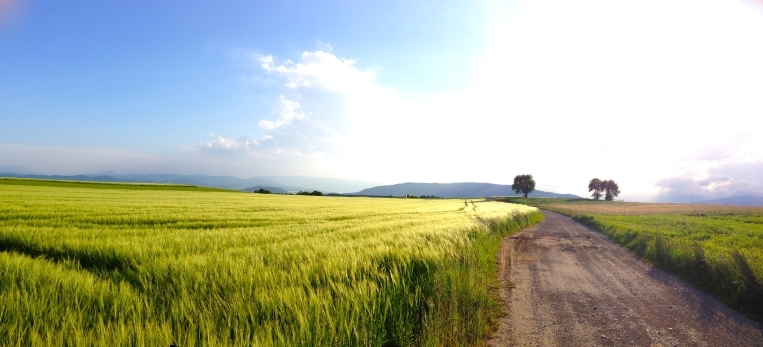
point(664, 97)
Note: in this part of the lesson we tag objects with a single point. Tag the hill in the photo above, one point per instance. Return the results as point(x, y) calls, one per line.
point(287, 183)
point(454, 190)
point(744, 200)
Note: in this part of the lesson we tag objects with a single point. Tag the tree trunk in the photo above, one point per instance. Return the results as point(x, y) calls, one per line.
point(525, 195)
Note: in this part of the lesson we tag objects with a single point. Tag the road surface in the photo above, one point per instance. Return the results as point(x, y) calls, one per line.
point(566, 285)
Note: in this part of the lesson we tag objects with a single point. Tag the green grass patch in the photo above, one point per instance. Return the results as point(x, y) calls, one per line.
point(83, 265)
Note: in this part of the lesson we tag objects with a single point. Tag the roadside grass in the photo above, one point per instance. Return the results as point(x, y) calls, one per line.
point(82, 265)
point(718, 248)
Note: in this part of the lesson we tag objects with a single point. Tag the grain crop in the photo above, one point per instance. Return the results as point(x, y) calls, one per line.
point(102, 266)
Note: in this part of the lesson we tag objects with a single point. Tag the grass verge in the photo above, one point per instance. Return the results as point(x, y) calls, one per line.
point(465, 302)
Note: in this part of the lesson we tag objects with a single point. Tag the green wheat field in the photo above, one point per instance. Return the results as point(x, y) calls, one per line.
point(129, 265)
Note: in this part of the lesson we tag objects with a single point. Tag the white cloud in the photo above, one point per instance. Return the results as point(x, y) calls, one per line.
point(348, 108)
point(321, 70)
point(241, 143)
point(690, 189)
point(290, 111)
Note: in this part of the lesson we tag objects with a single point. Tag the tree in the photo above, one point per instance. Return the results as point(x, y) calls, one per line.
point(262, 191)
point(524, 184)
point(314, 193)
point(612, 190)
point(596, 187)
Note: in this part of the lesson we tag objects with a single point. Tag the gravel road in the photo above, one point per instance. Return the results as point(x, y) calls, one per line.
point(566, 285)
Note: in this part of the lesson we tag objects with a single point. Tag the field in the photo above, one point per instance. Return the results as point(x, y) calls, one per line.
point(99, 265)
point(718, 248)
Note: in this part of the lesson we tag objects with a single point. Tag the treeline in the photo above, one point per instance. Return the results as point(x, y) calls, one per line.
point(267, 191)
point(313, 193)
point(319, 193)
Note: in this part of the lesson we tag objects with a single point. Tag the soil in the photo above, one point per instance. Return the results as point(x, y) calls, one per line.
point(564, 284)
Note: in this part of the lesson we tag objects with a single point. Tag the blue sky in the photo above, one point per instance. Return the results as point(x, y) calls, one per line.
point(133, 74)
point(662, 96)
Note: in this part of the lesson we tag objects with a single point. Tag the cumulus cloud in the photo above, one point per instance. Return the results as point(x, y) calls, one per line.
point(289, 112)
point(296, 133)
point(726, 180)
point(321, 70)
point(241, 143)
point(329, 84)
point(688, 185)
point(744, 171)
point(339, 93)
point(348, 109)
point(722, 169)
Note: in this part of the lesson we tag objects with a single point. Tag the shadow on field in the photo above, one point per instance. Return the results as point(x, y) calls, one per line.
point(103, 263)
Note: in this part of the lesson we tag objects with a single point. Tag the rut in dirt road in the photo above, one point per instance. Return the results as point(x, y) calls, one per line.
point(566, 285)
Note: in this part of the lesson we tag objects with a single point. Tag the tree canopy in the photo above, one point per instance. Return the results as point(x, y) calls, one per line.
point(609, 187)
point(314, 193)
point(596, 187)
point(612, 190)
point(523, 184)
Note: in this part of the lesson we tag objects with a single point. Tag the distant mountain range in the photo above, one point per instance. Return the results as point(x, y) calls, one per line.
point(293, 184)
point(285, 183)
point(454, 190)
point(16, 170)
point(745, 200)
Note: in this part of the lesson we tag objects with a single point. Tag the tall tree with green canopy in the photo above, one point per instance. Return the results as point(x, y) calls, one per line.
point(523, 184)
point(612, 190)
point(596, 187)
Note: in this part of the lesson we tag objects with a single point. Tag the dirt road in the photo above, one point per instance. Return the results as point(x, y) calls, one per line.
point(566, 285)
